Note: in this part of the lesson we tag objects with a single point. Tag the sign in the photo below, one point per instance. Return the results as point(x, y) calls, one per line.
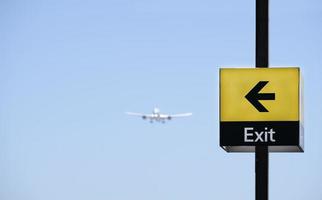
point(260, 106)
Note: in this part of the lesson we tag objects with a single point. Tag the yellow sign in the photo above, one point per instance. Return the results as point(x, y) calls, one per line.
point(259, 94)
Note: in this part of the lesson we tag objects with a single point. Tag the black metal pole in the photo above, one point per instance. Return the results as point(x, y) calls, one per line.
point(262, 57)
point(261, 165)
point(262, 33)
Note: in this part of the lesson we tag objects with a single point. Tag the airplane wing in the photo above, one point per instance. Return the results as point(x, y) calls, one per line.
point(181, 115)
point(144, 116)
point(135, 114)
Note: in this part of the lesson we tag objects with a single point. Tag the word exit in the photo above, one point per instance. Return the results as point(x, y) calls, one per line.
point(258, 136)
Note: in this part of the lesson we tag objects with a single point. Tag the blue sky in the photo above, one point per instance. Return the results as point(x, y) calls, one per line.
point(70, 69)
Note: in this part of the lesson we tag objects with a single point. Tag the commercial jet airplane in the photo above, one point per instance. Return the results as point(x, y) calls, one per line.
point(157, 116)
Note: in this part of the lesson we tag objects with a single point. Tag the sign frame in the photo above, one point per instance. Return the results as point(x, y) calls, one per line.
point(292, 138)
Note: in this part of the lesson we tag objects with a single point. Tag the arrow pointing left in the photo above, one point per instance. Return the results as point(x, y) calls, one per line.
point(253, 96)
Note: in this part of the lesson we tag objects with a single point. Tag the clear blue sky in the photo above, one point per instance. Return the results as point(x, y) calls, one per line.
point(69, 70)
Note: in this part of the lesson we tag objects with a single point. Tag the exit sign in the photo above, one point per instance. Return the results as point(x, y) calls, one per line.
point(260, 107)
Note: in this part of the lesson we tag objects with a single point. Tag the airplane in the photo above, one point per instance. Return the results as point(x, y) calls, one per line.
point(157, 116)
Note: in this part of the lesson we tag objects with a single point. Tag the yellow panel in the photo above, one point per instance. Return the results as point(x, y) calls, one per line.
point(236, 83)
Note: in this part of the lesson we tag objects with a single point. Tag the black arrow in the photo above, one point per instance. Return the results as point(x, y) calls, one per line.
point(253, 96)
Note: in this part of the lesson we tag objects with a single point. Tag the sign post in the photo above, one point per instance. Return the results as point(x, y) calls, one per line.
point(260, 108)
point(262, 58)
